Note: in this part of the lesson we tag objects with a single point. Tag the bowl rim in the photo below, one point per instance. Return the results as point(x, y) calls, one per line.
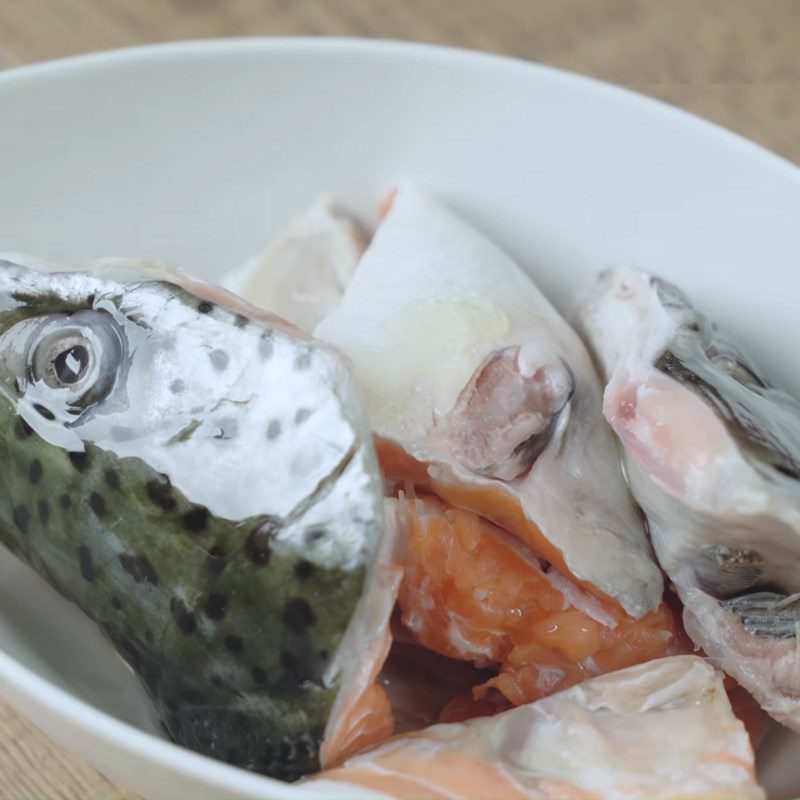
point(398, 49)
point(62, 704)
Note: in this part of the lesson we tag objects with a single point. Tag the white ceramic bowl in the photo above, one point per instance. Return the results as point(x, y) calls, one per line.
point(195, 153)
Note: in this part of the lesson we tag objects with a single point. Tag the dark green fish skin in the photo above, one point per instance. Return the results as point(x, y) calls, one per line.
point(230, 637)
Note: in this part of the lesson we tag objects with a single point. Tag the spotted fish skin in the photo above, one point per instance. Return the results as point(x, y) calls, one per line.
point(159, 509)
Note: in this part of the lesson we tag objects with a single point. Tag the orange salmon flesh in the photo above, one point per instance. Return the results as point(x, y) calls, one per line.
point(469, 593)
point(484, 592)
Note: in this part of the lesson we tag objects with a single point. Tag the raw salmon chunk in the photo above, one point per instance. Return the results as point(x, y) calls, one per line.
point(471, 591)
point(658, 730)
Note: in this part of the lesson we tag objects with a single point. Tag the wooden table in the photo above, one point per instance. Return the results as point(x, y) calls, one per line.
point(733, 61)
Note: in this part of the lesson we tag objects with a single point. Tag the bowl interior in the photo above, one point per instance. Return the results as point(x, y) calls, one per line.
point(196, 154)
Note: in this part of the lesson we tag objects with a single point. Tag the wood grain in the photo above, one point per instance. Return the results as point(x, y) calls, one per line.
point(733, 61)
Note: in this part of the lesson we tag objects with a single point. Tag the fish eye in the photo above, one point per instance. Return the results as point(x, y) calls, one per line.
point(66, 362)
point(79, 354)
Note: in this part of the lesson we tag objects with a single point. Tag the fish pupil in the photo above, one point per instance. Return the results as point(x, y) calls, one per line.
point(70, 365)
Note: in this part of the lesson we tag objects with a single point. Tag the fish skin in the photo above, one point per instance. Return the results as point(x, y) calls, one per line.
point(711, 449)
point(302, 274)
point(432, 304)
point(663, 729)
point(231, 620)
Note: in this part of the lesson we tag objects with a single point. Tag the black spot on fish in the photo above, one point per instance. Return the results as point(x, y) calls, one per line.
point(112, 478)
point(148, 635)
point(274, 429)
point(266, 347)
point(204, 307)
point(303, 361)
point(98, 504)
point(323, 654)
point(196, 519)
point(65, 501)
point(216, 606)
point(297, 615)
point(219, 359)
point(22, 518)
point(304, 569)
point(44, 411)
point(301, 415)
point(234, 644)
point(259, 676)
point(43, 508)
point(257, 545)
point(177, 386)
point(139, 568)
point(241, 321)
point(116, 604)
point(159, 490)
point(22, 429)
point(35, 472)
point(216, 681)
point(184, 618)
point(79, 460)
point(86, 563)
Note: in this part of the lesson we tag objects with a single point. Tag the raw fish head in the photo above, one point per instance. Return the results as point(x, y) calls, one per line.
point(712, 452)
point(199, 478)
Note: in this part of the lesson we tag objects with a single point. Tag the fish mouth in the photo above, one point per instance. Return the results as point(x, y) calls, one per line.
point(769, 615)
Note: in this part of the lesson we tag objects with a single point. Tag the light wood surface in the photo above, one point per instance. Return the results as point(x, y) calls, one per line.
point(736, 62)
